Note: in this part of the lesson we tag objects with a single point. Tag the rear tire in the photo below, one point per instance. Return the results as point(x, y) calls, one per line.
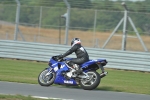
point(46, 80)
point(93, 83)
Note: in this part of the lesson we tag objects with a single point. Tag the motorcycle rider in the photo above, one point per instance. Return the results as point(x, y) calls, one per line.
point(81, 53)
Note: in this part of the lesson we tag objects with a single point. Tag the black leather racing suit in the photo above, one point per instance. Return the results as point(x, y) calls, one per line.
point(82, 55)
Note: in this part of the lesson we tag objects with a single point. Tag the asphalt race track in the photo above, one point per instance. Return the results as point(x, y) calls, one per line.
point(66, 93)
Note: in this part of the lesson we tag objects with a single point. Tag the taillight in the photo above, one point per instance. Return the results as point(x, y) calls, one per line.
point(98, 62)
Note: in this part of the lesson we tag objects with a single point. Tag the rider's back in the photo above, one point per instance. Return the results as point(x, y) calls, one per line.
point(80, 51)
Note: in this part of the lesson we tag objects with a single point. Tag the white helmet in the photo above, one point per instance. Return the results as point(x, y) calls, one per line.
point(75, 41)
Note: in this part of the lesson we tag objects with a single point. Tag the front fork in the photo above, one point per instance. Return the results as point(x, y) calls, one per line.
point(49, 71)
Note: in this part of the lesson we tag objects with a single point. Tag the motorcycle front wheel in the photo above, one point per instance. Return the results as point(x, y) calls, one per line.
point(46, 78)
point(92, 82)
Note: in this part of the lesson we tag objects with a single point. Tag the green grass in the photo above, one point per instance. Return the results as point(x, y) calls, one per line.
point(19, 97)
point(116, 80)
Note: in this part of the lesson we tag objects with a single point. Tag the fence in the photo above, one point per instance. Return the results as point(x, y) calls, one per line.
point(42, 52)
point(44, 25)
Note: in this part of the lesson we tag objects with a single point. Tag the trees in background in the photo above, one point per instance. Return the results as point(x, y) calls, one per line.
point(80, 16)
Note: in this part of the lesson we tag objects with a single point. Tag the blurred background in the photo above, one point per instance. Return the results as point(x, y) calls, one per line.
point(93, 21)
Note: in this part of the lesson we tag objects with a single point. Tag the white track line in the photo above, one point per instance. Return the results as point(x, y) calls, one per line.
point(49, 98)
point(40, 97)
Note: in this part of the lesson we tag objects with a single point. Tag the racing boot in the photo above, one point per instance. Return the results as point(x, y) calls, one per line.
point(77, 69)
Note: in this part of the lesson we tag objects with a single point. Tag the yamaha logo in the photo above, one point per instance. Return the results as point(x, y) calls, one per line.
point(68, 82)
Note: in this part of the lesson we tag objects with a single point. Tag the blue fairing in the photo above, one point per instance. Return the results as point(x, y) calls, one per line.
point(60, 66)
point(90, 62)
point(63, 67)
point(59, 78)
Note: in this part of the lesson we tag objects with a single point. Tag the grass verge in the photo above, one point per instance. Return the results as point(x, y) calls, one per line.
point(19, 97)
point(117, 80)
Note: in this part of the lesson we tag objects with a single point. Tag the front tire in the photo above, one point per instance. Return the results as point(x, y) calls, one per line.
point(46, 80)
point(92, 83)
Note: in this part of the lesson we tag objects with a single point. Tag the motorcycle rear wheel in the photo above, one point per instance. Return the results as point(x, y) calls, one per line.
point(92, 83)
point(44, 80)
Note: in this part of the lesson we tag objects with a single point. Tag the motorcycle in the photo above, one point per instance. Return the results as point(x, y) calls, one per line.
point(59, 69)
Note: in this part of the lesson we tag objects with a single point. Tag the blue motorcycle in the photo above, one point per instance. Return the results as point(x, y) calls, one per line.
point(58, 70)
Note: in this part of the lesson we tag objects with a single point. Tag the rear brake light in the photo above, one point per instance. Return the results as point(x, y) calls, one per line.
point(98, 62)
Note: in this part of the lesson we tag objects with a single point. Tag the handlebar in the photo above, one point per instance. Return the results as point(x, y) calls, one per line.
point(57, 58)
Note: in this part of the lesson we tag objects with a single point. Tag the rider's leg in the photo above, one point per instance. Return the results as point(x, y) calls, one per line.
point(77, 68)
point(75, 63)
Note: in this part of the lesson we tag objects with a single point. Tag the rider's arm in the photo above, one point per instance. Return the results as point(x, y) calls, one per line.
point(70, 51)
